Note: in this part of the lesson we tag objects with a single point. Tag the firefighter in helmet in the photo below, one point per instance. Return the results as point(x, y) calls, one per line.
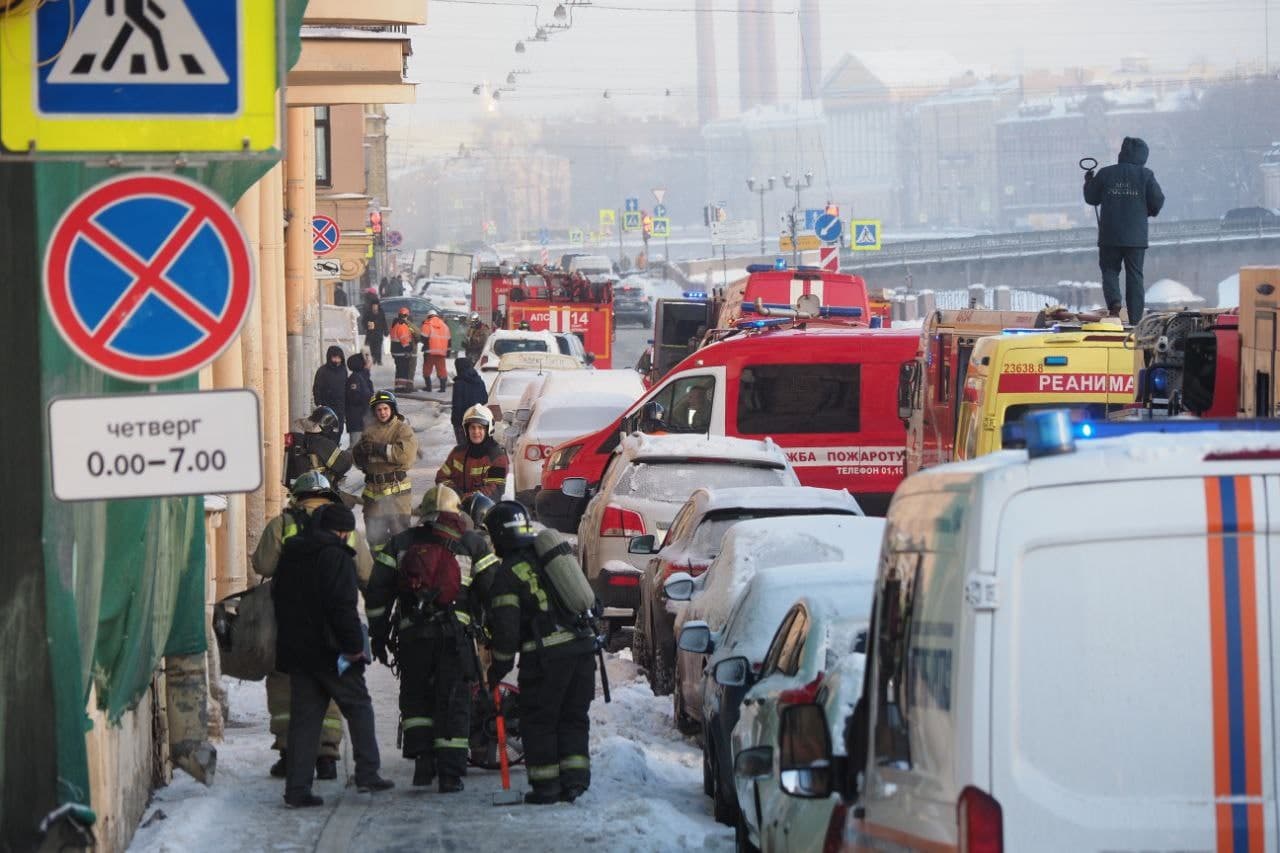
point(310, 490)
point(557, 669)
point(313, 446)
point(420, 585)
point(386, 450)
point(479, 464)
point(477, 334)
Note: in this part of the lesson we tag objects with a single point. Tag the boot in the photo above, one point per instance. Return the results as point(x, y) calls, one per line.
point(543, 796)
point(281, 768)
point(571, 792)
point(450, 785)
point(305, 802)
point(424, 771)
point(374, 785)
point(326, 767)
point(444, 383)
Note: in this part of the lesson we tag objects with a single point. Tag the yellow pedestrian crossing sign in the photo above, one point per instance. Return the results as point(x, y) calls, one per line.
point(97, 75)
point(661, 226)
point(607, 217)
point(575, 235)
point(631, 220)
point(866, 235)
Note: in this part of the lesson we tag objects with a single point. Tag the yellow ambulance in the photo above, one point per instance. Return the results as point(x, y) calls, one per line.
point(1088, 366)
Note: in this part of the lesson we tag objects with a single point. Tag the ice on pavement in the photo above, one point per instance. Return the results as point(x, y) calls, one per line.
point(646, 791)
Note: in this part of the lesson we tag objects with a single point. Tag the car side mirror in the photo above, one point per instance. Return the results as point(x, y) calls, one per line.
point(574, 487)
point(908, 379)
point(804, 752)
point(732, 672)
point(642, 544)
point(695, 637)
point(754, 762)
point(679, 587)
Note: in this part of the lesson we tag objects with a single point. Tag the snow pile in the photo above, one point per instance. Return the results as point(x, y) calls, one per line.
point(642, 445)
point(1229, 291)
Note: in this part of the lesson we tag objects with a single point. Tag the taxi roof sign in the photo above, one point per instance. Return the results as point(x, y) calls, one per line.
point(95, 75)
point(537, 361)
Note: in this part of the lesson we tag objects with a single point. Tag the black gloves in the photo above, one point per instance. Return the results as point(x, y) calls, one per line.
point(497, 670)
point(378, 645)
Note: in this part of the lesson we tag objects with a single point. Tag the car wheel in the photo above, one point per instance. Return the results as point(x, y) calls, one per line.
point(741, 839)
point(683, 724)
point(708, 766)
point(663, 679)
point(639, 639)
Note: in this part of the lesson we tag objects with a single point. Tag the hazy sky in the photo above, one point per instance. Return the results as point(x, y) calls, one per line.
point(638, 49)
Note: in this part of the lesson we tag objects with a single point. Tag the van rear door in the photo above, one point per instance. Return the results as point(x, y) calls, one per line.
point(1132, 692)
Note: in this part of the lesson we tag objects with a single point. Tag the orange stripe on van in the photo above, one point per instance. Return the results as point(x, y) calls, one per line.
point(1233, 618)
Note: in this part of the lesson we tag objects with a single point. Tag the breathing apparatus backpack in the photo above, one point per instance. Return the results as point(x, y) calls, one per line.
point(569, 586)
point(430, 567)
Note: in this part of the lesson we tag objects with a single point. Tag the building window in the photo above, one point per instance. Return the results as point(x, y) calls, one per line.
point(324, 173)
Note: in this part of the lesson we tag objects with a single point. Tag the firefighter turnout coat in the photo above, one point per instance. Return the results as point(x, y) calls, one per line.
point(471, 468)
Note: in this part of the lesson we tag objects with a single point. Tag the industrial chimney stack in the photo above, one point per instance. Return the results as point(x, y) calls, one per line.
point(757, 51)
point(708, 96)
point(811, 45)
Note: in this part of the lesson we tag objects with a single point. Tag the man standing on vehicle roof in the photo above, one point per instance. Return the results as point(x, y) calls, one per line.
point(1128, 194)
point(479, 464)
point(557, 669)
point(310, 492)
point(386, 450)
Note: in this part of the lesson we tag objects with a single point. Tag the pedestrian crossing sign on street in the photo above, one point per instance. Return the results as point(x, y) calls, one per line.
point(865, 235)
point(140, 76)
point(576, 236)
point(631, 220)
point(661, 226)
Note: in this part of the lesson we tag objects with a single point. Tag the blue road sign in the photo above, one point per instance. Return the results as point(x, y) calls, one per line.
point(631, 220)
point(324, 234)
point(659, 210)
point(632, 205)
point(779, 263)
point(811, 218)
point(182, 61)
point(827, 227)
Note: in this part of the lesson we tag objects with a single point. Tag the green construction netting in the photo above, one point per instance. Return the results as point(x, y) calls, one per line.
point(124, 579)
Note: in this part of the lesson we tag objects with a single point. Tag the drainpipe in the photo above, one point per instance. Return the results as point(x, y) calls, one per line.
point(248, 211)
point(271, 290)
point(299, 279)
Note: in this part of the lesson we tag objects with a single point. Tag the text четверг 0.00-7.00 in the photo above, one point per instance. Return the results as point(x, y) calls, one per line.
point(154, 445)
point(101, 465)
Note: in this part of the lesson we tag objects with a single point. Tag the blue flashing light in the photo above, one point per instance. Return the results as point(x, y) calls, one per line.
point(877, 322)
point(752, 268)
point(1159, 380)
point(837, 311)
point(1042, 432)
point(1055, 361)
point(694, 294)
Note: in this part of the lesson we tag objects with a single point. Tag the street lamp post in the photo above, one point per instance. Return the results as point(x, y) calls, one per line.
point(796, 184)
point(760, 190)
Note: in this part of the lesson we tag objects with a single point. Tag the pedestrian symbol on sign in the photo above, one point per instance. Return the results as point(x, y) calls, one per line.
point(144, 44)
point(866, 235)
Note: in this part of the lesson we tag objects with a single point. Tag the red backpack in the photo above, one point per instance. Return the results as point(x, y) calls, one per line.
point(431, 566)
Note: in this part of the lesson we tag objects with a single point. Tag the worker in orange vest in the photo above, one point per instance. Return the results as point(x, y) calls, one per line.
point(435, 348)
point(403, 346)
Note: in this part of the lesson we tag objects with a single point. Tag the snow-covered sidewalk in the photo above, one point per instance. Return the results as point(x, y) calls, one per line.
point(646, 791)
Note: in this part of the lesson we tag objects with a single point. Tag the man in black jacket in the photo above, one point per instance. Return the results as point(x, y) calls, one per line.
point(359, 393)
point(329, 388)
point(1128, 193)
point(468, 390)
point(318, 631)
point(373, 323)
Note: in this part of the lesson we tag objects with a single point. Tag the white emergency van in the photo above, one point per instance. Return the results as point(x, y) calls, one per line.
point(1072, 647)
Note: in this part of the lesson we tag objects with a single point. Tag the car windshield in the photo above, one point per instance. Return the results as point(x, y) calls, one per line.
point(506, 345)
point(707, 535)
point(578, 419)
point(673, 481)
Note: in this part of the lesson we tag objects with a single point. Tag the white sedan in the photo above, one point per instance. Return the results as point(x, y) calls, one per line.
point(646, 481)
point(552, 419)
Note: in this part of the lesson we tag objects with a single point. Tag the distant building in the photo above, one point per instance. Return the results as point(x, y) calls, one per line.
point(866, 100)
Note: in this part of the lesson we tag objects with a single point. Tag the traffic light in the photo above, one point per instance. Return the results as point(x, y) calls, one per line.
point(646, 222)
point(833, 209)
point(375, 222)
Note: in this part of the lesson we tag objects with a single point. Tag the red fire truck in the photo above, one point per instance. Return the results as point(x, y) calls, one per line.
point(547, 298)
point(767, 291)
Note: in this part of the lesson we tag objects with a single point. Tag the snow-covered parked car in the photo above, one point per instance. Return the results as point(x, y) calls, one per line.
point(740, 648)
point(814, 636)
point(552, 419)
point(747, 548)
point(693, 542)
point(585, 383)
point(516, 372)
point(506, 341)
point(647, 479)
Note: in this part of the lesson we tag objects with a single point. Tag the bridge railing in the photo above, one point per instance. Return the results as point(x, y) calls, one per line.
point(1028, 242)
